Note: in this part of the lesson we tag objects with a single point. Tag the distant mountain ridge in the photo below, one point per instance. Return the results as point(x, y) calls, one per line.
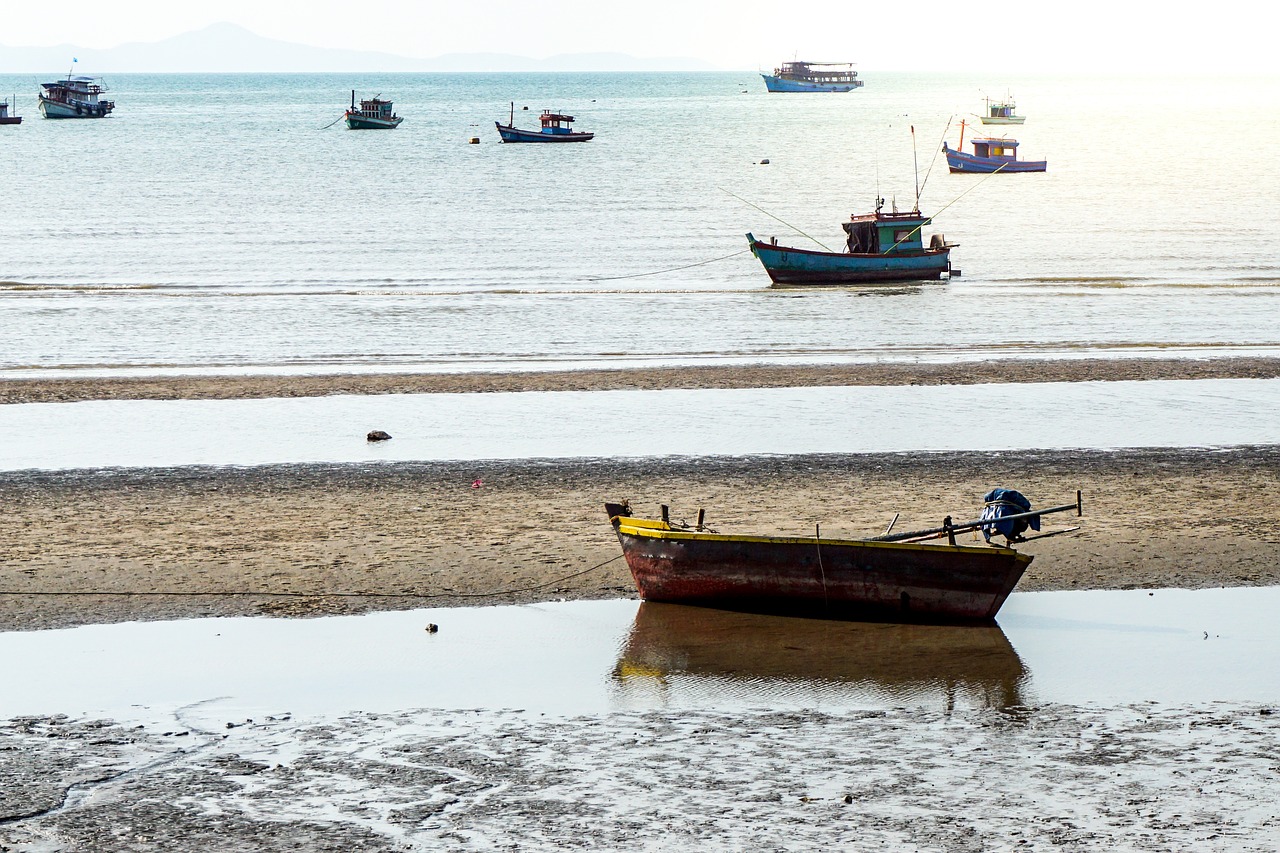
point(231, 48)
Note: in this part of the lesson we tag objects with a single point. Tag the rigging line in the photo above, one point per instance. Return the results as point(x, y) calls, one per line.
point(941, 142)
point(944, 207)
point(672, 269)
point(771, 216)
point(188, 594)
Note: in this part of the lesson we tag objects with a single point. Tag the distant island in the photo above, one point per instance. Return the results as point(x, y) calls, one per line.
point(230, 48)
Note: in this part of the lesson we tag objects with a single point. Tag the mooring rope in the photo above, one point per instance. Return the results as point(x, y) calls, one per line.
point(672, 269)
point(335, 121)
point(188, 594)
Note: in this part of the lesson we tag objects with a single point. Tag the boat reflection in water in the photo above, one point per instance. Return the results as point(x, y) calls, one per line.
point(678, 656)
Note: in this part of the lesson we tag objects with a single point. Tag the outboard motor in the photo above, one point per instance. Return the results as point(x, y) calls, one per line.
point(1005, 502)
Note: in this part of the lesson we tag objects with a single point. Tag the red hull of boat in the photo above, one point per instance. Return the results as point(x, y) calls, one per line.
point(835, 578)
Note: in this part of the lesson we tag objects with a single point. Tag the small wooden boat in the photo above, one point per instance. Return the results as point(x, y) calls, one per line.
point(989, 155)
point(5, 118)
point(894, 577)
point(373, 114)
point(555, 128)
point(813, 77)
point(880, 247)
point(1002, 112)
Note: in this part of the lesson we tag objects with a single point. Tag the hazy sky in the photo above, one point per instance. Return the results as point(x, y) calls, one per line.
point(1089, 36)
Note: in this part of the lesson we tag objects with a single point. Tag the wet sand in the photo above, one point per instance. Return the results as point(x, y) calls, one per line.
point(772, 376)
point(1141, 777)
point(114, 545)
point(105, 546)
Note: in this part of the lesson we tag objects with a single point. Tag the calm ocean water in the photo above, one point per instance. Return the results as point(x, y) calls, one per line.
point(213, 223)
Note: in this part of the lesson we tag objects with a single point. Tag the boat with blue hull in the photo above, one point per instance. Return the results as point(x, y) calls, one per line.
point(813, 77)
point(555, 128)
point(373, 114)
point(989, 155)
point(880, 247)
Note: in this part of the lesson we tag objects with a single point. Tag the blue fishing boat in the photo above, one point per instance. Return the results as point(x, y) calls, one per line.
point(880, 247)
point(555, 128)
point(373, 114)
point(813, 77)
point(989, 155)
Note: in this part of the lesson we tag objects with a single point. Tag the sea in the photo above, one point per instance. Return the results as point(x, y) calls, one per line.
point(231, 224)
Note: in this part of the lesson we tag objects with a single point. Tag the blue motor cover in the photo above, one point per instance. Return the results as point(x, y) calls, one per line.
point(1002, 502)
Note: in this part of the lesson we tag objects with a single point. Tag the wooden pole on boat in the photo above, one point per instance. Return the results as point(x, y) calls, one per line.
point(511, 122)
point(915, 162)
point(948, 529)
point(960, 147)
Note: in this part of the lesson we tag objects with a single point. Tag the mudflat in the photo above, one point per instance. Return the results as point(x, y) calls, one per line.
point(49, 390)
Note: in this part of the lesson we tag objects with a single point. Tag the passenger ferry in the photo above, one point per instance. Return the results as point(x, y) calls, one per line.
point(813, 77)
point(74, 97)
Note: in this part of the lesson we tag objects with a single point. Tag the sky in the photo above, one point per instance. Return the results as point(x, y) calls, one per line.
point(1229, 36)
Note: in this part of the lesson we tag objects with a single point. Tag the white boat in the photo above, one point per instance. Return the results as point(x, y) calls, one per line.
point(1002, 112)
point(74, 97)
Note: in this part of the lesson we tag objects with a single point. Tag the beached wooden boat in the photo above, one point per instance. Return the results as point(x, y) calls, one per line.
point(989, 155)
point(895, 577)
point(373, 114)
point(555, 128)
point(880, 247)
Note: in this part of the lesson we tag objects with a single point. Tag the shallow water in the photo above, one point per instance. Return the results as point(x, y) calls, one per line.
point(1103, 648)
point(197, 236)
point(573, 424)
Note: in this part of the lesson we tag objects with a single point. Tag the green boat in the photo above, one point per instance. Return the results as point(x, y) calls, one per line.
point(374, 114)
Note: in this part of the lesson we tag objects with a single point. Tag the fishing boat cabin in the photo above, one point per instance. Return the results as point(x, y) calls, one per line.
point(5, 118)
point(556, 123)
point(885, 233)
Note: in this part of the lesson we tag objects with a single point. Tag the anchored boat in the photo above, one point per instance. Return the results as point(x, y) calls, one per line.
point(555, 128)
point(813, 77)
point(74, 97)
point(5, 118)
point(374, 114)
point(880, 247)
point(989, 155)
point(1002, 112)
point(894, 577)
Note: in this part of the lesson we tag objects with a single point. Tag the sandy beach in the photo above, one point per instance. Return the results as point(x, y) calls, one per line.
point(113, 545)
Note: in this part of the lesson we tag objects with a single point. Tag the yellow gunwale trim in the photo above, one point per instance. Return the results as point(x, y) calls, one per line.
point(649, 529)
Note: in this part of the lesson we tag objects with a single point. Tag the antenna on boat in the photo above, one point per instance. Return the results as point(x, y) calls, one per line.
point(915, 160)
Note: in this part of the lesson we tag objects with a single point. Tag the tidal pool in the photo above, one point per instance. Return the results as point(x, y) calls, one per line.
point(585, 424)
point(1079, 648)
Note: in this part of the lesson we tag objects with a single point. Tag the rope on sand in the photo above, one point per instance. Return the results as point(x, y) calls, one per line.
point(188, 594)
